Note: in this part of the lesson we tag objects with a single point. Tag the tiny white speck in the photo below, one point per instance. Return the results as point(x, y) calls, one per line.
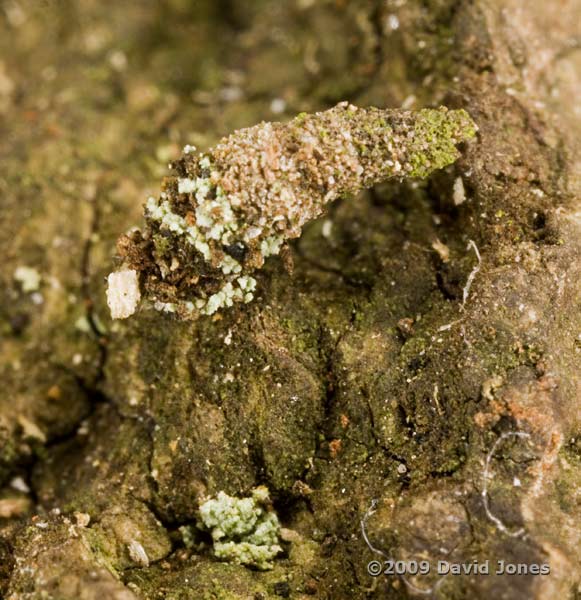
point(37, 298)
point(327, 228)
point(231, 94)
point(459, 193)
point(20, 485)
point(118, 60)
point(277, 106)
point(393, 22)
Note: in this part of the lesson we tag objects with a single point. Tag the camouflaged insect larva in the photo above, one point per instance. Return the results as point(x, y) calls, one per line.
point(226, 210)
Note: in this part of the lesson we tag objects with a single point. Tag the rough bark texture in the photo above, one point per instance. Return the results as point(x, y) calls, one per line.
point(363, 377)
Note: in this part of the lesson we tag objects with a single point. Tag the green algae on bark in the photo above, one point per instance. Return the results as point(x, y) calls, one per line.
point(225, 211)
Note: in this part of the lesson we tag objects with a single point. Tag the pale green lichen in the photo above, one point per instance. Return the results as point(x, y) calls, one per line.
point(244, 530)
point(271, 245)
point(436, 135)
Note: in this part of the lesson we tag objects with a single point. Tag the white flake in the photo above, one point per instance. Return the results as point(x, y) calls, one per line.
point(123, 293)
point(137, 553)
point(459, 193)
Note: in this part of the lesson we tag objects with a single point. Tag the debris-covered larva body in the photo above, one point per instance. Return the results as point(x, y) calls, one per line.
point(225, 211)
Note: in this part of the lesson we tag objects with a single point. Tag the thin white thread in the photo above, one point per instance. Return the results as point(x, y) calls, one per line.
point(409, 584)
point(366, 516)
point(473, 273)
point(499, 524)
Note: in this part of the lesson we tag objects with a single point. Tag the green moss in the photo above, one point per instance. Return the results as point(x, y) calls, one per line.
point(103, 549)
point(162, 245)
point(303, 335)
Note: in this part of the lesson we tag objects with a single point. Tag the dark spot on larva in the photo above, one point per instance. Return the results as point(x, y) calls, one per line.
point(237, 251)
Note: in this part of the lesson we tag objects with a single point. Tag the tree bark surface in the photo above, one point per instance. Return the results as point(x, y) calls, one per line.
point(419, 371)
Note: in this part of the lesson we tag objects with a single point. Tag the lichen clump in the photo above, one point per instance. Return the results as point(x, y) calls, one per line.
point(227, 210)
point(244, 530)
point(28, 277)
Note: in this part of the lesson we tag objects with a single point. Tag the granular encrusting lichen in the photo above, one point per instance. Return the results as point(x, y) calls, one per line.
point(225, 211)
point(244, 530)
